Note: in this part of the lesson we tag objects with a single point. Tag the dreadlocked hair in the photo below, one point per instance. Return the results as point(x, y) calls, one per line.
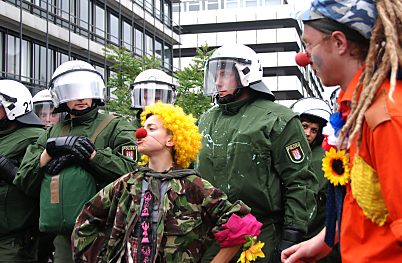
point(384, 56)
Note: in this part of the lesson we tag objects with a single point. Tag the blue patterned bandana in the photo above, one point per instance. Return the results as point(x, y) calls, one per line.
point(359, 15)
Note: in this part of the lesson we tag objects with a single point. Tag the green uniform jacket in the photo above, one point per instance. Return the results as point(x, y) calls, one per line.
point(108, 164)
point(18, 213)
point(191, 209)
point(255, 150)
point(318, 223)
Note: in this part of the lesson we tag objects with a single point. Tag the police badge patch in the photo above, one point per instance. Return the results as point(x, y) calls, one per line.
point(130, 152)
point(295, 152)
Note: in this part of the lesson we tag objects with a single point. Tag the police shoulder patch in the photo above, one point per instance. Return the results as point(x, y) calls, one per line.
point(295, 152)
point(130, 151)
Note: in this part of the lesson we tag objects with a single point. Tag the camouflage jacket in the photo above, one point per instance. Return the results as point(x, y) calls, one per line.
point(191, 210)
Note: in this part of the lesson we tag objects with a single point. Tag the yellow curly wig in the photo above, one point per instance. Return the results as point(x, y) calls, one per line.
point(186, 138)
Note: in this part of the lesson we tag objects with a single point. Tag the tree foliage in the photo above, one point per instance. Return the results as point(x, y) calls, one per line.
point(125, 67)
point(191, 81)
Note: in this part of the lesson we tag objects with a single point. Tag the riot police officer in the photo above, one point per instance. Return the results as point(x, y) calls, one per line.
point(19, 127)
point(43, 108)
point(255, 150)
point(77, 156)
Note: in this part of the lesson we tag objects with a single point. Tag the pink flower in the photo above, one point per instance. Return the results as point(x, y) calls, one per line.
point(237, 229)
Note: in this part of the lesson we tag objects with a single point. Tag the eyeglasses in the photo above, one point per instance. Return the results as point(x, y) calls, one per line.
point(309, 47)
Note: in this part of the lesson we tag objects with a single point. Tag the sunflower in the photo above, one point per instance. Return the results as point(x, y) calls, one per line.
point(335, 166)
point(251, 250)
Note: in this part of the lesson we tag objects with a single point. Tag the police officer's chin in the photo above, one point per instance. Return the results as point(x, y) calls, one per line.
point(229, 97)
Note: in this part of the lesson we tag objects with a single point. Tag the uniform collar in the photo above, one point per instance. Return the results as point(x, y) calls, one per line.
point(89, 116)
point(233, 108)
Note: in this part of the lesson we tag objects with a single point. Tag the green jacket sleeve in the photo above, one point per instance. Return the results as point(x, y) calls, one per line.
point(30, 175)
point(110, 163)
point(292, 161)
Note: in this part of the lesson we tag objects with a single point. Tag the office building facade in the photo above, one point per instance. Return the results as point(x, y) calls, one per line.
point(37, 36)
point(264, 25)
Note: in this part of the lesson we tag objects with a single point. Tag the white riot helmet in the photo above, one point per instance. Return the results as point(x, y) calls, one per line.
point(333, 99)
point(43, 107)
point(240, 59)
point(17, 102)
point(150, 86)
point(75, 80)
point(317, 108)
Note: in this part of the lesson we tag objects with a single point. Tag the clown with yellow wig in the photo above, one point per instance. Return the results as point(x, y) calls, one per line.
point(162, 211)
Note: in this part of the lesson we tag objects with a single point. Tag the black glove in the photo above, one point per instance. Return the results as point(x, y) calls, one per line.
point(290, 237)
point(57, 164)
point(81, 147)
point(8, 170)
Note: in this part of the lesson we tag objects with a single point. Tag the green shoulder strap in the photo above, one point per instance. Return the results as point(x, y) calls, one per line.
point(105, 122)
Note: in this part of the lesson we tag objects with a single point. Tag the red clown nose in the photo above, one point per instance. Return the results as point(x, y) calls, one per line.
point(302, 59)
point(140, 133)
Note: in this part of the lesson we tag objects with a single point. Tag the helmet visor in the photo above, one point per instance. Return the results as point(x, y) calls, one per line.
point(220, 76)
point(80, 85)
point(44, 110)
point(146, 94)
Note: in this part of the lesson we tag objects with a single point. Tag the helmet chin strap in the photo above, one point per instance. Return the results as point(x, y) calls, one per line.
point(4, 123)
point(230, 97)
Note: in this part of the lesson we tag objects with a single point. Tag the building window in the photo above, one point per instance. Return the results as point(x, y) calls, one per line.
point(158, 51)
point(13, 58)
point(61, 58)
point(212, 4)
point(127, 36)
point(158, 8)
point(99, 22)
point(1, 55)
point(149, 45)
point(167, 57)
point(250, 3)
point(232, 4)
point(85, 14)
point(113, 29)
point(39, 61)
point(194, 6)
point(176, 7)
point(139, 42)
point(167, 14)
point(149, 5)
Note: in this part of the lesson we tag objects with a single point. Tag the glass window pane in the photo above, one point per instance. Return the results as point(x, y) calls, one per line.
point(194, 6)
point(26, 61)
point(84, 15)
point(167, 57)
point(127, 36)
point(1, 55)
point(149, 45)
point(149, 5)
point(232, 3)
point(13, 51)
point(39, 62)
point(139, 40)
point(158, 9)
point(158, 51)
point(113, 28)
point(167, 13)
point(99, 21)
point(212, 4)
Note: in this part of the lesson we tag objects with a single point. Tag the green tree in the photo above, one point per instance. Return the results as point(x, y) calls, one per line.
point(191, 81)
point(125, 68)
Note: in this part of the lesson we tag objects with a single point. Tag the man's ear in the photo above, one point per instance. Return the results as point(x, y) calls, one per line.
point(169, 141)
point(340, 42)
